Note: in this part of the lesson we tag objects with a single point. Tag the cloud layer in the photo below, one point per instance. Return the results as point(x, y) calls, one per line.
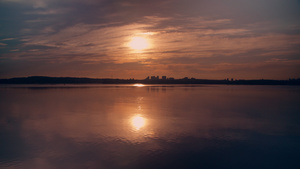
point(203, 39)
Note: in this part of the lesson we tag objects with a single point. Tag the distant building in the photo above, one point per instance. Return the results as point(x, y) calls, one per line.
point(164, 77)
point(185, 78)
point(154, 78)
point(171, 78)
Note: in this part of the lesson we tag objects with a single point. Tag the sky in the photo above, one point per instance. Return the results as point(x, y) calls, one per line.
point(205, 39)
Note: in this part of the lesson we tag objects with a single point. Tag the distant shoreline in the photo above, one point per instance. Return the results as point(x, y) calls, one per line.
point(75, 80)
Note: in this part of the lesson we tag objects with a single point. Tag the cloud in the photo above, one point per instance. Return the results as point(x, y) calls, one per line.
point(7, 39)
point(192, 32)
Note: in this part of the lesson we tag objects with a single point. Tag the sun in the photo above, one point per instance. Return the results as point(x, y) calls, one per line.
point(139, 43)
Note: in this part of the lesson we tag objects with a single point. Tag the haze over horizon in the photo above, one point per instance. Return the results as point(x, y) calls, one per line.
point(205, 39)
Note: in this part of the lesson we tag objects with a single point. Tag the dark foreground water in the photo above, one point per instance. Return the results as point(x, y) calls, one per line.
point(175, 126)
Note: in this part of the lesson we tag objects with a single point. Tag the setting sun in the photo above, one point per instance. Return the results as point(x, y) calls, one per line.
point(139, 43)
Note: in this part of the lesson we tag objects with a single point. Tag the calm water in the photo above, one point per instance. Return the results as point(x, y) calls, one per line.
point(173, 126)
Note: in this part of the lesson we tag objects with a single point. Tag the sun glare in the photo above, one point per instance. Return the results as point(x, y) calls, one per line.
point(138, 122)
point(138, 85)
point(139, 43)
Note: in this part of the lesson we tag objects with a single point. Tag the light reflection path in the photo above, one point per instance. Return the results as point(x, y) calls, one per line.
point(138, 85)
point(137, 121)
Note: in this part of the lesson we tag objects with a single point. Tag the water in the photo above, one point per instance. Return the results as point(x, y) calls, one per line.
point(170, 126)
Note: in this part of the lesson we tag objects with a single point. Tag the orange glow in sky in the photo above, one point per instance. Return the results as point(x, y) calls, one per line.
point(201, 39)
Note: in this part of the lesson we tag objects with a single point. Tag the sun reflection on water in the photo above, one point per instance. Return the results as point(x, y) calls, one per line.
point(138, 85)
point(138, 122)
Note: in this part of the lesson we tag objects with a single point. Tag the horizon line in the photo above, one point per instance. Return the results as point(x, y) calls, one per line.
point(149, 78)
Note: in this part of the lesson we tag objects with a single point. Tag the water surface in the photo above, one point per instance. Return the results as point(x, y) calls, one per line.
point(152, 126)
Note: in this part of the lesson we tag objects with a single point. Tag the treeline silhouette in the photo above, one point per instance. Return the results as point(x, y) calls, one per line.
point(75, 80)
